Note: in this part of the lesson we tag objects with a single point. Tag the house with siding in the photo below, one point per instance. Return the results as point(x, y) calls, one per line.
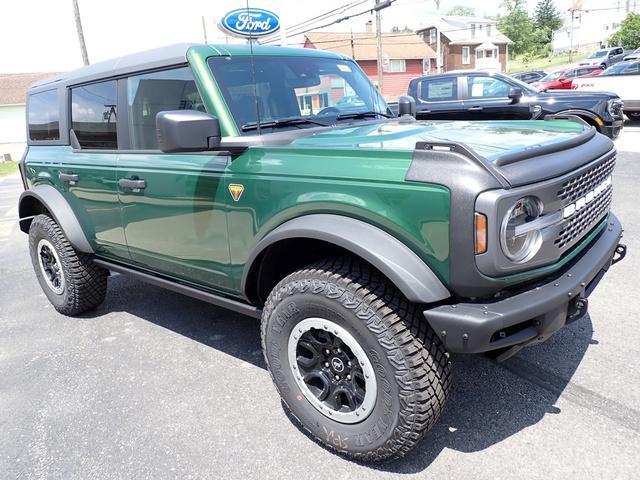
point(404, 55)
point(466, 43)
point(13, 128)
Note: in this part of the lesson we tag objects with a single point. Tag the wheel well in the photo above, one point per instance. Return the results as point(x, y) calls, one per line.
point(285, 257)
point(30, 207)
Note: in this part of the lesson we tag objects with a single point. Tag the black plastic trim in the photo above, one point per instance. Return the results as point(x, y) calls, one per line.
point(386, 253)
point(61, 212)
point(470, 327)
point(190, 291)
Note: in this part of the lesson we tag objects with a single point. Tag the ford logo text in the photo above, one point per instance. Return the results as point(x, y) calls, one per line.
point(250, 23)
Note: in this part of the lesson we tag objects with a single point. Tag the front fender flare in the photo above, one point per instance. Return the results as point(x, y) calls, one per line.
point(59, 209)
point(394, 259)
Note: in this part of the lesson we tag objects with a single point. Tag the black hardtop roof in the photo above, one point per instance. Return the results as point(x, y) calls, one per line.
point(146, 60)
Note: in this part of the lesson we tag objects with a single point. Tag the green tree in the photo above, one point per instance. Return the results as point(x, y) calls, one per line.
point(517, 25)
point(547, 17)
point(629, 34)
point(462, 11)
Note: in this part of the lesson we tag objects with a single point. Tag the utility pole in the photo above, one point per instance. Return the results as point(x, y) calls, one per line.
point(438, 53)
point(83, 47)
point(204, 30)
point(379, 46)
point(573, 14)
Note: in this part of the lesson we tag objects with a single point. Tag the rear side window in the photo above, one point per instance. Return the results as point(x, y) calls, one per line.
point(438, 90)
point(155, 92)
point(44, 116)
point(94, 115)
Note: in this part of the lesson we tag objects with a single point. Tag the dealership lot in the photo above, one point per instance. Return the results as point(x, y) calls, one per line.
point(156, 385)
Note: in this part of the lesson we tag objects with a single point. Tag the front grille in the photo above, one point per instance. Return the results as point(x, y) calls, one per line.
point(582, 221)
point(575, 189)
point(578, 186)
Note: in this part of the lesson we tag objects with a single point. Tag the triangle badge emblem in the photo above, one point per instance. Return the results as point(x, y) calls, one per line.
point(236, 189)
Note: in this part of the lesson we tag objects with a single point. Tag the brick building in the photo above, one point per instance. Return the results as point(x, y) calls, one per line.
point(404, 55)
point(466, 43)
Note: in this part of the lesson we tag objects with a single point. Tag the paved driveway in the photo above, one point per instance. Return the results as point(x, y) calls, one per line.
point(156, 385)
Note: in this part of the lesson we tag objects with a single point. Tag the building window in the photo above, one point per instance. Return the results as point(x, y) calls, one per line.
point(432, 36)
point(466, 55)
point(479, 54)
point(44, 116)
point(151, 93)
point(397, 65)
point(94, 114)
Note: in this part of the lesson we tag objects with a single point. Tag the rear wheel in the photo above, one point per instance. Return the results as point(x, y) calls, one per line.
point(353, 360)
point(69, 279)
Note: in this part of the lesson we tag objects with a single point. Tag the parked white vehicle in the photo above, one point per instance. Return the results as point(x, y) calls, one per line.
point(623, 79)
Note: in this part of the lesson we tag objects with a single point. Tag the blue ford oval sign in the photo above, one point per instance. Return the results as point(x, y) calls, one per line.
point(250, 23)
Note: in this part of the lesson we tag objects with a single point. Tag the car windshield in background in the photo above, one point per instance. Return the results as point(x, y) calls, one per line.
point(598, 54)
point(294, 92)
point(552, 76)
point(616, 69)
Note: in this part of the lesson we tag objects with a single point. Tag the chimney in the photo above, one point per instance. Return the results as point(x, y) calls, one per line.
point(369, 26)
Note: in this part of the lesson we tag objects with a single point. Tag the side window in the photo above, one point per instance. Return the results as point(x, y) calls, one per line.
point(439, 90)
point(150, 93)
point(487, 87)
point(632, 69)
point(569, 74)
point(44, 116)
point(94, 115)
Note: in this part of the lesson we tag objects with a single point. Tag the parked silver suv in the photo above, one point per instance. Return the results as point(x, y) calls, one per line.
point(605, 57)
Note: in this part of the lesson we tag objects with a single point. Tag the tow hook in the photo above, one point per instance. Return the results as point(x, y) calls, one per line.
point(619, 254)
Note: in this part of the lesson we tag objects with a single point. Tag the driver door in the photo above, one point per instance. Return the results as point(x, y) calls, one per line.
point(487, 98)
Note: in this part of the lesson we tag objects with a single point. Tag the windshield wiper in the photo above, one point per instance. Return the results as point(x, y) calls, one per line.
point(280, 122)
point(344, 116)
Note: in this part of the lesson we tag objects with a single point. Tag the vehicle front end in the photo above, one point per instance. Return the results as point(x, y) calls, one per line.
point(527, 251)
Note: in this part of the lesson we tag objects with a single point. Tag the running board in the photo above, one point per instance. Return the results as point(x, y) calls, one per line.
point(212, 298)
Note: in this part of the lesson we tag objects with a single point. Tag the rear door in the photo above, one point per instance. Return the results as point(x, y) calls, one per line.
point(172, 213)
point(487, 98)
point(89, 170)
point(438, 99)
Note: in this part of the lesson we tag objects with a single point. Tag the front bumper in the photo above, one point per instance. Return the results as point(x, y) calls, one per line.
point(532, 316)
point(612, 130)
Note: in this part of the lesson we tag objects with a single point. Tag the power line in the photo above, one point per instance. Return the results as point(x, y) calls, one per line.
point(322, 16)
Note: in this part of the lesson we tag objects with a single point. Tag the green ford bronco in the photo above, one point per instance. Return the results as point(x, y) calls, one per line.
point(274, 182)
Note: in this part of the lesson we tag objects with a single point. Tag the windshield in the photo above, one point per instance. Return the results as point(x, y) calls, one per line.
point(598, 54)
point(551, 76)
point(615, 69)
point(303, 88)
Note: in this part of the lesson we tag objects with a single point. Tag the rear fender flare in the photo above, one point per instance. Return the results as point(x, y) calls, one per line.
point(59, 209)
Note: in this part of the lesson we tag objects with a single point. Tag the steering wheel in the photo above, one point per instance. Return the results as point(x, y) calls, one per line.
point(328, 111)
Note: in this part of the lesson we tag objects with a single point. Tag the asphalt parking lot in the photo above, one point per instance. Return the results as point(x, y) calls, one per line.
point(156, 385)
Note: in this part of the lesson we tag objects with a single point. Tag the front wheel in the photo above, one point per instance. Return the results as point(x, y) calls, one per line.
point(353, 360)
point(633, 116)
point(70, 280)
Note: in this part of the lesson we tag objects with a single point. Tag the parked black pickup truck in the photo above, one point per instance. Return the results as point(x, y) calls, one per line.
point(476, 95)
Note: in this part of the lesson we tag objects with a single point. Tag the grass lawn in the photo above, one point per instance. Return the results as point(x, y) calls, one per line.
point(8, 168)
point(547, 64)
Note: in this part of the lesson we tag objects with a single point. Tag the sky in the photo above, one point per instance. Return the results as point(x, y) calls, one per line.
point(40, 35)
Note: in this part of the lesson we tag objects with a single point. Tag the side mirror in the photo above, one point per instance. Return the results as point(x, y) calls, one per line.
point(406, 106)
point(187, 131)
point(515, 94)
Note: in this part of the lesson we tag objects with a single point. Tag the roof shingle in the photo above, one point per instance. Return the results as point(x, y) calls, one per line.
point(14, 86)
point(394, 45)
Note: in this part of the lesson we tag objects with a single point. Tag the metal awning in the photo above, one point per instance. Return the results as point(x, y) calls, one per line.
point(486, 46)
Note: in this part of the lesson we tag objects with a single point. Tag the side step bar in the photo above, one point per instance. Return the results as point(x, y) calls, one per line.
point(208, 297)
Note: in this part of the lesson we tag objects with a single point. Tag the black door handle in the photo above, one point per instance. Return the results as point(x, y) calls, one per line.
point(68, 177)
point(474, 109)
point(132, 184)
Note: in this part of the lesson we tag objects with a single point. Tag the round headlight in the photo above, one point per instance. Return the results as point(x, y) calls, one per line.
point(518, 244)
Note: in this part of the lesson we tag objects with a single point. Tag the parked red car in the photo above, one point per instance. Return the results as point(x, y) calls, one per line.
point(562, 79)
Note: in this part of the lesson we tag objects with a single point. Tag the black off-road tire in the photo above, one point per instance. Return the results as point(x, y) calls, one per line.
point(84, 283)
point(633, 116)
point(412, 368)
